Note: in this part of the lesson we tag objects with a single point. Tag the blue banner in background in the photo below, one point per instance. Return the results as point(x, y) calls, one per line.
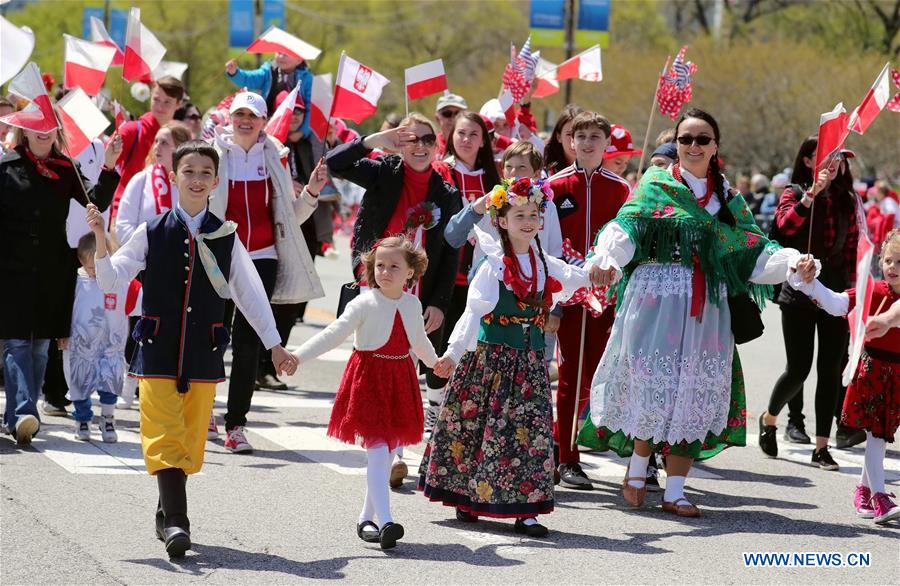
point(593, 23)
point(547, 23)
point(240, 23)
point(273, 14)
point(89, 11)
point(118, 23)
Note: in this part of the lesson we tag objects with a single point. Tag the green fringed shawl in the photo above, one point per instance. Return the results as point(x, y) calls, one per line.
point(663, 216)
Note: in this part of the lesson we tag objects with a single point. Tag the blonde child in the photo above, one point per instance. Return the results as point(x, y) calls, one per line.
point(872, 402)
point(378, 403)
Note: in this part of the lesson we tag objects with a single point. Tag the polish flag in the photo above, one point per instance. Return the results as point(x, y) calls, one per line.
point(119, 113)
point(873, 102)
point(16, 45)
point(357, 90)
point(547, 85)
point(279, 124)
point(143, 51)
point(175, 69)
point(585, 65)
point(425, 79)
point(832, 133)
point(276, 40)
point(81, 120)
point(508, 105)
point(101, 37)
point(320, 107)
point(86, 64)
point(38, 115)
point(857, 318)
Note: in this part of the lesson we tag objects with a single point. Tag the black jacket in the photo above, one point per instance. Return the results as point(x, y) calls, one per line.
point(36, 264)
point(382, 178)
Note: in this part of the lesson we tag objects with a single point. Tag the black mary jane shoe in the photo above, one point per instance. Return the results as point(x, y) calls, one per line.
point(465, 516)
point(536, 530)
point(178, 541)
point(368, 532)
point(389, 535)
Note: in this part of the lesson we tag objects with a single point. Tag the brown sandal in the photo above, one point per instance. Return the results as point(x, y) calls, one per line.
point(685, 510)
point(634, 496)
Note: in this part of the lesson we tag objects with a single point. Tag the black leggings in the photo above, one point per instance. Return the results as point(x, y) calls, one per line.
point(799, 326)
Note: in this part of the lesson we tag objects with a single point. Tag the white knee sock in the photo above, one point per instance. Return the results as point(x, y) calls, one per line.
point(874, 463)
point(108, 410)
point(377, 489)
point(674, 488)
point(128, 387)
point(434, 396)
point(637, 468)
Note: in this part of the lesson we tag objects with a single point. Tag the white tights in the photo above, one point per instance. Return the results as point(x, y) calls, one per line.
point(873, 469)
point(378, 470)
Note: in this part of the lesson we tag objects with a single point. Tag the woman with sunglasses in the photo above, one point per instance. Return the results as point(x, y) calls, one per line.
point(189, 115)
point(670, 379)
point(825, 207)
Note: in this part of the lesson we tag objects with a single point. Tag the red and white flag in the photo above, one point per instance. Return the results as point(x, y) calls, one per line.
point(357, 90)
point(545, 73)
point(16, 45)
point(320, 108)
point(38, 115)
point(832, 133)
point(175, 69)
point(425, 79)
point(86, 64)
point(143, 51)
point(101, 37)
point(279, 124)
point(81, 120)
point(857, 318)
point(586, 66)
point(508, 105)
point(873, 102)
point(119, 113)
point(275, 40)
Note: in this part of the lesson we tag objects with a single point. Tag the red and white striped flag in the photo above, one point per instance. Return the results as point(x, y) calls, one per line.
point(81, 120)
point(279, 124)
point(357, 90)
point(425, 79)
point(143, 51)
point(508, 105)
point(585, 66)
point(872, 103)
point(320, 107)
point(832, 133)
point(545, 73)
point(38, 115)
point(101, 37)
point(857, 318)
point(86, 64)
point(16, 45)
point(275, 40)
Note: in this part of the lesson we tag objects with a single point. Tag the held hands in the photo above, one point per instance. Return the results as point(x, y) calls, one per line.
point(444, 367)
point(434, 317)
point(318, 178)
point(602, 277)
point(284, 361)
point(113, 150)
point(552, 325)
point(806, 268)
point(393, 139)
point(62, 344)
point(231, 67)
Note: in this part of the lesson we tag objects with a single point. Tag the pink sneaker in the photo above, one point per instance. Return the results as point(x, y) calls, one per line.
point(885, 509)
point(862, 502)
point(212, 432)
point(236, 442)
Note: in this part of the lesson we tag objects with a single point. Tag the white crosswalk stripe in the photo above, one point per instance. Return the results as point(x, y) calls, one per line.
point(94, 457)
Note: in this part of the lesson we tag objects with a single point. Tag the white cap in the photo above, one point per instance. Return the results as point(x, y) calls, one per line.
point(492, 110)
point(251, 101)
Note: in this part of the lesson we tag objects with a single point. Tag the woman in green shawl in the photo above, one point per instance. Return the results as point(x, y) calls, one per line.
point(670, 380)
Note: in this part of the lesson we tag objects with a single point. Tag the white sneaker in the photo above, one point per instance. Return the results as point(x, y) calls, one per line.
point(212, 433)
point(83, 431)
point(53, 410)
point(236, 442)
point(107, 426)
point(431, 417)
point(26, 427)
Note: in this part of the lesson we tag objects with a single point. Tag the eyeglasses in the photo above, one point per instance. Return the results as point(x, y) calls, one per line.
point(427, 140)
point(687, 139)
point(449, 113)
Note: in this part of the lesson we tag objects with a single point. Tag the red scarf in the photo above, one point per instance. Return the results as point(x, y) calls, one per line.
point(43, 164)
point(413, 192)
point(522, 288)
point(162, 188)
point(698, 279)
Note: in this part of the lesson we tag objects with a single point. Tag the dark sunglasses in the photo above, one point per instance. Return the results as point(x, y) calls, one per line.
point(426, 140)
point(687, 139)
point(449, 113)
point(192, 117)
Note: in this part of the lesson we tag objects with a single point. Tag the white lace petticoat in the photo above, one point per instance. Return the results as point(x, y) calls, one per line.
point(665, 376)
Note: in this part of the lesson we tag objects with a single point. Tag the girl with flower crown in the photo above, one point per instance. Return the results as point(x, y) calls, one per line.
point(491, 452)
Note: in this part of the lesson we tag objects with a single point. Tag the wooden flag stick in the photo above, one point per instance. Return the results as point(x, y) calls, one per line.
point(640, 170)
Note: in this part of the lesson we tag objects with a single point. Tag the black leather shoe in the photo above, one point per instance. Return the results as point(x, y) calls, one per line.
point(270, 382)
point(368, 532)
point(465, 516)
point(823, 459)
point(847, 437)
point(572, 476)
point(389, 535)
point(768, 443)
point(536, 530)
point(177, 541)
point(796, 433)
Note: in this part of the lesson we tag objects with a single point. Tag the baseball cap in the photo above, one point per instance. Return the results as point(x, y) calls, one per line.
point(251, 101)
point(666, 149)
point(451, 100)
point(780, 181)
point(620, 143)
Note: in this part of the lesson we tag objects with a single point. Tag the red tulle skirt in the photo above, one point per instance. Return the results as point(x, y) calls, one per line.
point(872, 401)
point(378, 400)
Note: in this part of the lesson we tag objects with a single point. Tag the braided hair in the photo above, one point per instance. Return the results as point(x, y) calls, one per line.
point(715, 170)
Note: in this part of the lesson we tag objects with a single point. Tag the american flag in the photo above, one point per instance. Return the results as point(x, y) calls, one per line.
point(894, 104)
point(675, 85)
point(519, 72)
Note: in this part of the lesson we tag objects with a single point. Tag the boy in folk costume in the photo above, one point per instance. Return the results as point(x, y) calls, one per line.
point(192, 262)
point(586, 197)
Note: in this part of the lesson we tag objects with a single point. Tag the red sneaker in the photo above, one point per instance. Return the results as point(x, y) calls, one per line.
point(236, 442)
point(885, 509)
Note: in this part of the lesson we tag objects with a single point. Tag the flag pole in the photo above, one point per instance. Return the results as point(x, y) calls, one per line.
point(578, 380)
point(640, 169)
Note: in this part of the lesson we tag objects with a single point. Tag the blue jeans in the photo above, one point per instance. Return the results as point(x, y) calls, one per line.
point(24, 364)
point(83, 411)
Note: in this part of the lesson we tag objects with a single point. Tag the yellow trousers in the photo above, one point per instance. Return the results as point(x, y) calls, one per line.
point(174, 425)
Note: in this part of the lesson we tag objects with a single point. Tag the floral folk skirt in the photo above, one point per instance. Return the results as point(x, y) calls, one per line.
point(873, 398)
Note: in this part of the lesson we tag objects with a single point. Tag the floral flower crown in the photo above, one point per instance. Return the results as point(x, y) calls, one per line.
point(517, 192)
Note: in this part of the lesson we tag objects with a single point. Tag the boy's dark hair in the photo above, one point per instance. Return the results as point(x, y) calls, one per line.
point(87, 246)
point(171, 86)
point(588, 119)
point(195, 147)
point(525, 149)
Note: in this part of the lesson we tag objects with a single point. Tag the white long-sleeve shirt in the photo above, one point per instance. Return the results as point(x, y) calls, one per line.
point(138, 205)
point(243, 281)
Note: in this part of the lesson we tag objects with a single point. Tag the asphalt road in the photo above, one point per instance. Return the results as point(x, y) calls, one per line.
point(76, 513)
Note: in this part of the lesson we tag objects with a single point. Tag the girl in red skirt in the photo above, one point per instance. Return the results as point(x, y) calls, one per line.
point(378, 404)
point(873, 398)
